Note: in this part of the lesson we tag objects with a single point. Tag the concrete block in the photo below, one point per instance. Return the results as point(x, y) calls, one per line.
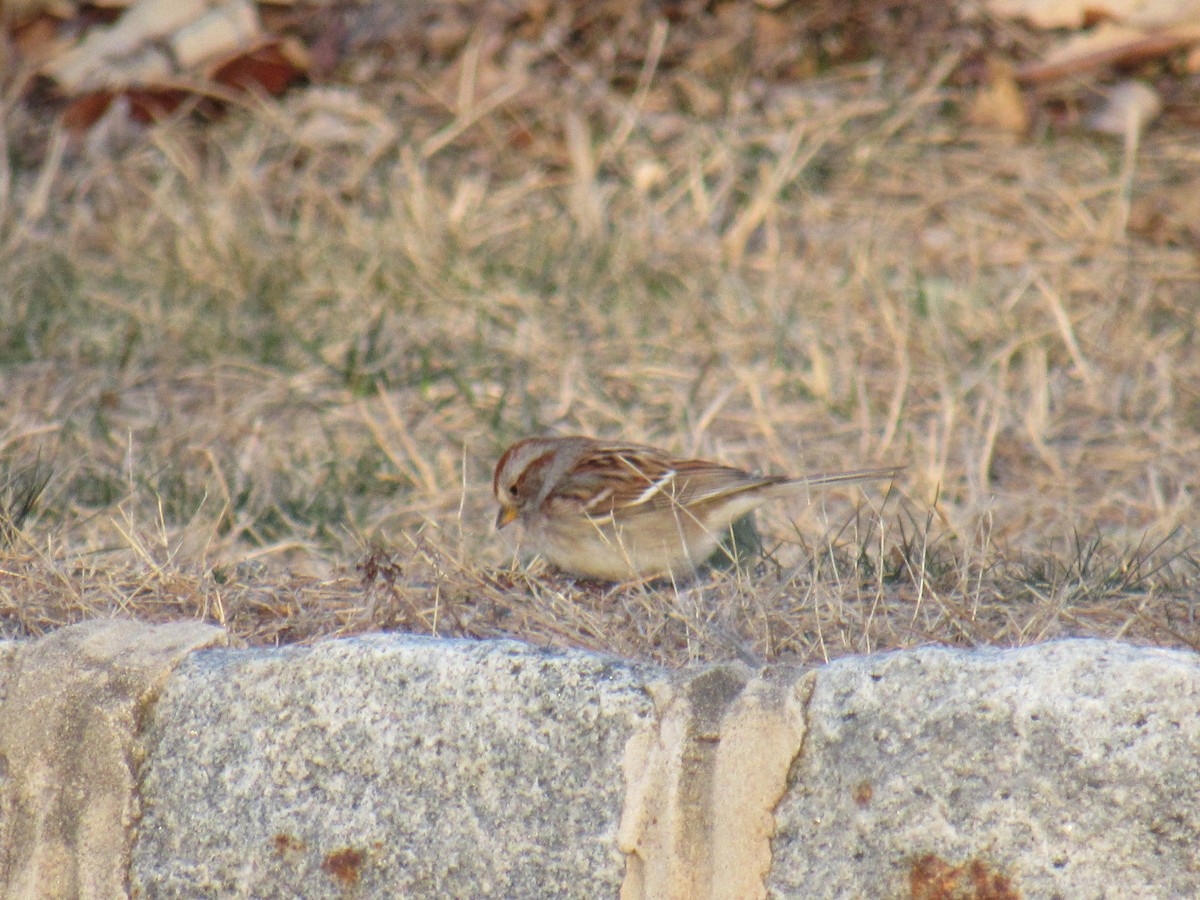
point(1066, 769)
point(394, 766)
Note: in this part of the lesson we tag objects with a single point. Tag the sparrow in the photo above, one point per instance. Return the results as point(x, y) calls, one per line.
point(620, 512)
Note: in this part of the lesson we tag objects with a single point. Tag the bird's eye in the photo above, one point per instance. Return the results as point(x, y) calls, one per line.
point(512, 490)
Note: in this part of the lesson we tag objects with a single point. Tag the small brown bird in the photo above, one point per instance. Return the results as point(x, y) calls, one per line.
point(626, 511)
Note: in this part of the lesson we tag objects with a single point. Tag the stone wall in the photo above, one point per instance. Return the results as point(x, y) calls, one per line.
point(158, 761)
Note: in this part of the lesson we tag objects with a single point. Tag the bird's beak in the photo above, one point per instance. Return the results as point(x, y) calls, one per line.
point(505, 516)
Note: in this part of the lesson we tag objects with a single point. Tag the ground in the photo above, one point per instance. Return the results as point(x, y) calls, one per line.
point(264, 363)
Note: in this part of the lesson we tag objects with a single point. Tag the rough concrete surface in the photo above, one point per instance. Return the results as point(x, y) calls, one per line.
point(69, 711)
point(702, 783)
point(388, 767)
point(394, 766)
point(1066, 769)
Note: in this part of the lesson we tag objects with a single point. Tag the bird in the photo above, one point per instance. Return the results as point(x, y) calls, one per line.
point(629, 512)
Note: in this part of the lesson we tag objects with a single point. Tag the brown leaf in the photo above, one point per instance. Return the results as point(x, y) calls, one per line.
point(999, 103)
point(269, 67)
point(1106, 45)
point(85, 110)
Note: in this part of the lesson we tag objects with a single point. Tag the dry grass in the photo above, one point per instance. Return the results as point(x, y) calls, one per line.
point(269, 374)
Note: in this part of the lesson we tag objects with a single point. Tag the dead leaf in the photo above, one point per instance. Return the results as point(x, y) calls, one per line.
point(1106, 45)
point(85, 110)
point(1128, 108)
point(37, 38)
point(999, 103)
point(219, 32)
point(1145, 14)
point(15, 13)
point(269, 67)
point(96, 62)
